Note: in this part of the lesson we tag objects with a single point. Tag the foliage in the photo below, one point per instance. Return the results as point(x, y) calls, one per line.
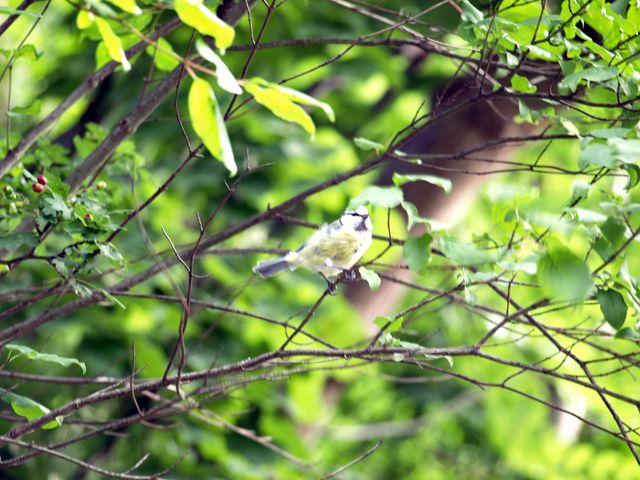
point(154, 150)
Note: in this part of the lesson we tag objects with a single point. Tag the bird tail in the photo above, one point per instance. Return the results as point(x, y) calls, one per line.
point(268, 268)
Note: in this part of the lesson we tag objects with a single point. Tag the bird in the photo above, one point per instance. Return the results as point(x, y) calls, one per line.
point(330, 251)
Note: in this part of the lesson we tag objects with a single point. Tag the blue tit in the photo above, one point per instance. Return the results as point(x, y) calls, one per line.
point(331, 250)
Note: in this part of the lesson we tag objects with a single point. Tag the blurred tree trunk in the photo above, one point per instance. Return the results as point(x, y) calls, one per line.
point(480, 122)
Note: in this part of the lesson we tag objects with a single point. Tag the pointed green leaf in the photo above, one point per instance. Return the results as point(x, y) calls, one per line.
point(196, 15)
point(113, 43)
point(613, 307)
point(522, 84)
point(45, 357)
point(280, 105)
point(29, 409)
point(208, 123)
point(444, 183)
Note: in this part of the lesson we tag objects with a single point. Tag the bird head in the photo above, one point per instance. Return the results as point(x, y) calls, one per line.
point(357, 219)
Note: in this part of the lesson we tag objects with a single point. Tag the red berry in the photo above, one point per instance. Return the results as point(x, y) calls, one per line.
point(42, 180)
point(37, 187)
point(88, 216)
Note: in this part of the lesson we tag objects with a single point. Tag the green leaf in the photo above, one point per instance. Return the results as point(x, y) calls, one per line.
point(385, 197)
point(19, 112)
point(470, 13)
point(417, 251)
point(45, 357)
point(394, 324)
point(14, 240)
point(196, 15)
point(612, 306)
point(370, 277)
point(628, 333)
point(522, 84)
point(29, 409)
point(368, 145)
point(600, 154)
point(304, 99)
point(400, 179)
point(465, 254)
point(563, 276)
point(592, 74)
point(634, 175)
point(128, 6)
point(281, 106)
point(208, 123)
point(224, 77)
point(113, 43)
point(614, 229)
point(163, 61)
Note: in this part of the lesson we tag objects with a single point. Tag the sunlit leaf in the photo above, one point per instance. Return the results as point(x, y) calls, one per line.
point(113, 43)
point(224, 77)
point(208, 123)
point(196, 15)
point(128, 6)
point(467, 254)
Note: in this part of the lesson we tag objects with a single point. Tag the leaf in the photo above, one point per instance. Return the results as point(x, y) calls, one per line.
point(224, 77)
point(196, 15)
point(29, 409)
point(113, 43)
point(417, 251)
point(563, 276)
point(628, 333)
point(368, 145)
point(522, 84)
point(19, 112)
point(600, 154)
point(208, 123)
point(161, 58)
point(128, 6)
point(385, 197)
point(613, 229)
point(612, 306)
point(465, 254)
point(592, 74)
point(281, 106)
point(11, 241)
point(470, 13)
point(370, 277)
point(304, 99)
point(393, 324)
point(31, 354)
point(634, 175)
point(400, 179)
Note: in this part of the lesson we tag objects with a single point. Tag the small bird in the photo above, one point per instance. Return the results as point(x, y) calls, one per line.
point(331, 250)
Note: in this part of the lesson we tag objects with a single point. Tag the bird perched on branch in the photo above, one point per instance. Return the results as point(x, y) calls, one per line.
point(330, 251)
